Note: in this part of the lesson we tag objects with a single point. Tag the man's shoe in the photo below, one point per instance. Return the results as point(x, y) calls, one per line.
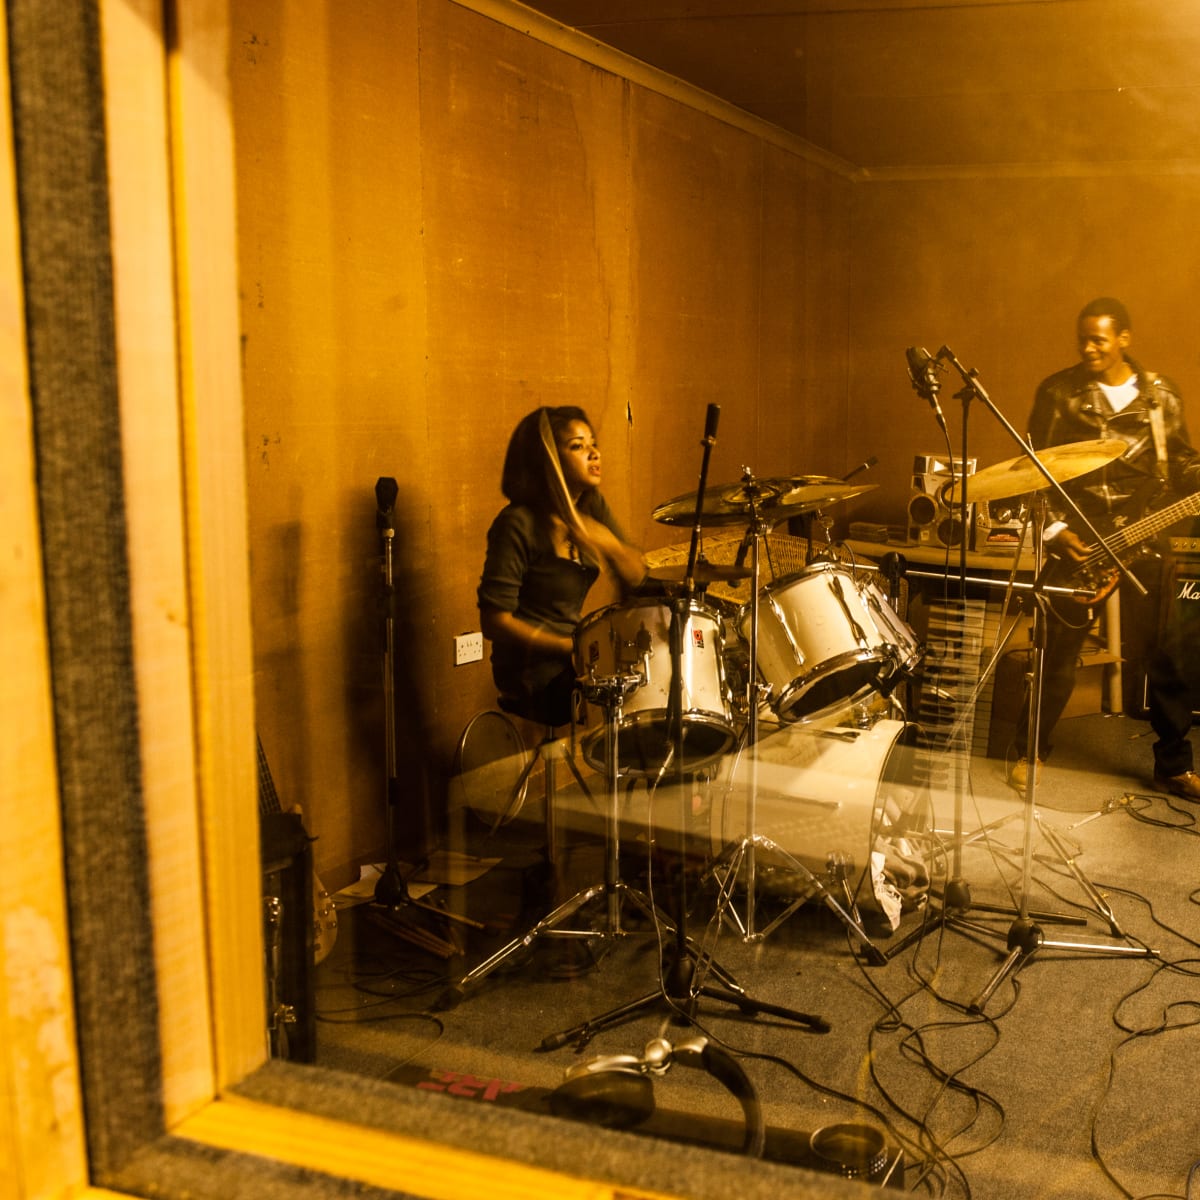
point(1019, 776)
point(1186, 785)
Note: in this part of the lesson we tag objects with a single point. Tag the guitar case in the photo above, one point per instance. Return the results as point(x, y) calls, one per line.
point(287, 874)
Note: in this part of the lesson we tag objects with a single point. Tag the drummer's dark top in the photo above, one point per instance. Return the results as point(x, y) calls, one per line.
point(522, 575)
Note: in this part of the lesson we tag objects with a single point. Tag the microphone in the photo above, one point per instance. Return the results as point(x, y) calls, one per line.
point(921, 367)
point(922, 370)
point(386, 491)
point(710, 423)
point(893, 566)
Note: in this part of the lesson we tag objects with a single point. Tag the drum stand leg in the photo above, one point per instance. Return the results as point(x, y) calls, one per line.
point(741, 858)
point(609, 692)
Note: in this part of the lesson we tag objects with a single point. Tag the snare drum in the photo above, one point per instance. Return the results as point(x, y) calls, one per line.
point(633, 639)
point(819, 647)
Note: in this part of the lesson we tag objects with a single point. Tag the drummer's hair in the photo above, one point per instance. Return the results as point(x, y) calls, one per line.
point(1108, 306)
point(533, 475)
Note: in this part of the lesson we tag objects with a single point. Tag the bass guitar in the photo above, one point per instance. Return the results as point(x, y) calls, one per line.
point(1094, 578)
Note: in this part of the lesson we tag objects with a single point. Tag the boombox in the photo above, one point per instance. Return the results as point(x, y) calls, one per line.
point(933, 518)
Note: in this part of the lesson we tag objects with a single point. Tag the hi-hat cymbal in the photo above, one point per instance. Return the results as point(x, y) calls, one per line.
point(1016, 476)
point(705, 572)
point(781, 498)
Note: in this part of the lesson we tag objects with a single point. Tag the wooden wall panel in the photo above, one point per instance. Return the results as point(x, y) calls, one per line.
point(997, 269)
point(432, 245)
point(527, 236)
point(328, 158)
point(697, 236)
point(803, 417)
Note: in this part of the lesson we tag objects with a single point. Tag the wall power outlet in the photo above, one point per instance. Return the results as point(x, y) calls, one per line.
point(468, 648)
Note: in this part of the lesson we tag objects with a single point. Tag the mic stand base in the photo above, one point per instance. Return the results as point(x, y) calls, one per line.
point(391, 889)
point(1025, 938)
point(682, 1010)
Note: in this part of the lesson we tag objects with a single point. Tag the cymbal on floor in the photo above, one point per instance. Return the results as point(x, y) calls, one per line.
point(1016, 476)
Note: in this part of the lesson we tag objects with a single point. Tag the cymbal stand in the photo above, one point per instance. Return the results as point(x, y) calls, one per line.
point(680, 987)
point(740, 859)
point(610, 692)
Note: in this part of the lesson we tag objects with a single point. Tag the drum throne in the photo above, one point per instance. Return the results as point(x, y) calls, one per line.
point(609, 694)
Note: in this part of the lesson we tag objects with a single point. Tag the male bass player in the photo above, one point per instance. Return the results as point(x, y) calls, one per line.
point(1110, 395)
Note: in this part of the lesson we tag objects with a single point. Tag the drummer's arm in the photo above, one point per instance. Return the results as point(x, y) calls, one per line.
point(627, 562)
point(500, 626)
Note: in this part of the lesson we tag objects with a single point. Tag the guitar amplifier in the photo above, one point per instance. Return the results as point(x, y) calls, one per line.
point(1178, 626)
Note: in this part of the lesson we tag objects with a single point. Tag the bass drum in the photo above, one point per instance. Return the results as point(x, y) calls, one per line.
point(633, 639)
point(822, 801)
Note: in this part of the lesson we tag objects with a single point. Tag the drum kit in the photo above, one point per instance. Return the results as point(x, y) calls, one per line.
point(827, 645)
point(824, 640)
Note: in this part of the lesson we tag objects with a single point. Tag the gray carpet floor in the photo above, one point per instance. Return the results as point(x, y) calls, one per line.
point(1040, 1041)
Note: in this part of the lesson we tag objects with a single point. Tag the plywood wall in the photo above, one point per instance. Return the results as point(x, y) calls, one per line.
point(444, 224)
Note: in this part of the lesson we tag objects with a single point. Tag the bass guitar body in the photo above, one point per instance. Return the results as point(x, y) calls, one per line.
point(1095, 577)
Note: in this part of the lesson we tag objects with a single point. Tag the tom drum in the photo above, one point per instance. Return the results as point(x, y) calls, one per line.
point(633, 639)
point(819, 646)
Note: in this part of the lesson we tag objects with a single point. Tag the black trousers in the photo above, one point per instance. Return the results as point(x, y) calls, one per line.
point(1169, 695)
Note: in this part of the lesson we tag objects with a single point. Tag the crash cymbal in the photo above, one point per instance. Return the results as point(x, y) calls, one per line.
point(705, 572)
point(1017, 476)
point(779, 499)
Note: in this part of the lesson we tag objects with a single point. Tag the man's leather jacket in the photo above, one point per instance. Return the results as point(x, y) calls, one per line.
point(1071, 407)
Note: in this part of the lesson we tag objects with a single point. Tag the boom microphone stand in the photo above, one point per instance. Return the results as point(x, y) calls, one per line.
point(922, 370)
point(1025, 936)
point(679, 990)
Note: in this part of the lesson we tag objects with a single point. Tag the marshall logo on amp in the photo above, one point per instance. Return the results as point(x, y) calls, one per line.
point(1179, 624)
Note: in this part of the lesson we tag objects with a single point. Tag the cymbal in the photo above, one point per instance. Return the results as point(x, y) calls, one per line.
point(1016, 476)
point(705, 572)
point(780, 498)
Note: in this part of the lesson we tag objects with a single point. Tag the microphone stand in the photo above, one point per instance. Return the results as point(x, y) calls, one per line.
point(1025, 936)
point(679, 990)
point(923, 370)
point(390, 888)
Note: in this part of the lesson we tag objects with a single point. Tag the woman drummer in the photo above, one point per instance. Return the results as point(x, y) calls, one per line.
point(545, 549)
